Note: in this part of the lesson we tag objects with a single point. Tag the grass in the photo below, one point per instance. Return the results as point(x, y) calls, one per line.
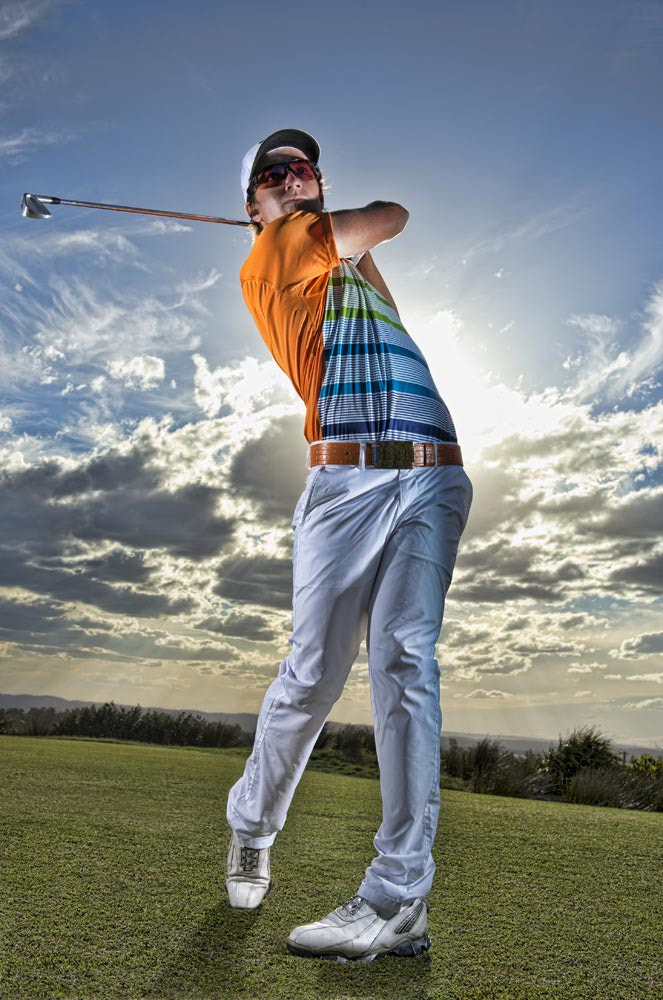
point(111, 888)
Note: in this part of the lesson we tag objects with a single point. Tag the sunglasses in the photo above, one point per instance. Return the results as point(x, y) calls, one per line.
point(275, 174)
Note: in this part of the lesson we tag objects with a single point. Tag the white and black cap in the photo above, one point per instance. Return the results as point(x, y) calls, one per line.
point(285, 137)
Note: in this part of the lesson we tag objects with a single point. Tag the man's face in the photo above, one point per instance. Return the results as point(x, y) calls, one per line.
point(292, 195)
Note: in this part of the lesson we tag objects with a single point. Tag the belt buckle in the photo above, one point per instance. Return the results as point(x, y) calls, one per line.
point(393, 455)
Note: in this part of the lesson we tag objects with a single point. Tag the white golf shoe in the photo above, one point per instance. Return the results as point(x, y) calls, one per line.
point(355, 932)
point(247, 875)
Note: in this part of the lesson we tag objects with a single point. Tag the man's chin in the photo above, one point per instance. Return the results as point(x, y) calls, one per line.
point(300, 205)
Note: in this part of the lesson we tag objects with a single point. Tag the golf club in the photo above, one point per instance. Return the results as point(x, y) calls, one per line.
point(33, 206)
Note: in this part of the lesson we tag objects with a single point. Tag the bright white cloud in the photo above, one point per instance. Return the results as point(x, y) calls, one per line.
point(646, 704)
point(609, 372)
point(243, 387)
point(140, 372)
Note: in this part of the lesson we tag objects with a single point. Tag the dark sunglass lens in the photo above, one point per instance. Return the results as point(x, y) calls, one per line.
point(272, 176)
point(303, 170)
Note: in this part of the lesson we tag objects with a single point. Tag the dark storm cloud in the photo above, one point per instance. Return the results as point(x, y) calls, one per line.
point(184, 522)
point(495, 504)
point(640, 516)
point(48, 514)
point(44, 627)
point(272, 469)
point(117, 498)
point(116, 566)
point(504, 572)
point(496, 590)
point(646, 575)
point(79, 587)
point(256, 580)
point(110, 472)
point(240, 626)
point(39, 618)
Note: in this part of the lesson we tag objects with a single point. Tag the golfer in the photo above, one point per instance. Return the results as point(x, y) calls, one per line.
point(376, 533)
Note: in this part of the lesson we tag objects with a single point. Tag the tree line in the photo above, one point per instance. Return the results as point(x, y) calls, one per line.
point(111, 721)
point(582, 768)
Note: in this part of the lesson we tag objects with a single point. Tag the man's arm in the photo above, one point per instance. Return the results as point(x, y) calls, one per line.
point(359, 229)
point(368, 270)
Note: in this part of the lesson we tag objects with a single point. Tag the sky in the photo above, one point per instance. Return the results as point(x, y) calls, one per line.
point(151, 453)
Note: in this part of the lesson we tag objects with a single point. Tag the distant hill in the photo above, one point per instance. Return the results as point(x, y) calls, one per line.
point(247, 721)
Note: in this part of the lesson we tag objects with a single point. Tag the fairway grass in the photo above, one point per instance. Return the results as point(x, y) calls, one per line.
point(112, 869)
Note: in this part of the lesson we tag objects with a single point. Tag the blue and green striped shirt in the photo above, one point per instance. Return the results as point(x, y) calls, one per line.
point(376, 385)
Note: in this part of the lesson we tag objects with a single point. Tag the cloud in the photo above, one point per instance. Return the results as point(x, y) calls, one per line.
point(16, 17)
point(492, 694)
point(513, 234)
point(141, 372)
point(646, 575)
point(641, 646)
point(80, 588)
point(646, 704)
point(650, 678)
point(243, 387)
point(256, 580)
point(271, 470)
point(607, 371)
point(79, 532)
point(17, 148)
point(107, 245)
point(244, 626)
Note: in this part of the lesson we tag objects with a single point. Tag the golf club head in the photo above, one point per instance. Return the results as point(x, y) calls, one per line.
point(32, 208)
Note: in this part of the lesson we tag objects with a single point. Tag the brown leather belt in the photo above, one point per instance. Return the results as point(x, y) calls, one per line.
point(385, 454)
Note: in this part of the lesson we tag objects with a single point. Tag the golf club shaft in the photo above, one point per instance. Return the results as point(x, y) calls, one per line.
point(53, 200)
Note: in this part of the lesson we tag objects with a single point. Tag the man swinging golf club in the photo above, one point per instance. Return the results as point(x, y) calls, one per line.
point(376, 534)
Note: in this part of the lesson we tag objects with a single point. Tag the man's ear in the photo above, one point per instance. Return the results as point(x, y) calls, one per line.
point(253, 213)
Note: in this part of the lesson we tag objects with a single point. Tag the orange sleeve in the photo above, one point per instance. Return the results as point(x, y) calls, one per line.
point(284, 284)
point(292, 249)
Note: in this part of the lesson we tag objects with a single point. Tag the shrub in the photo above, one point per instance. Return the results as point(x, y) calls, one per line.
point(651, 767)
point(456, 761)
point(584, 748)
point(486, 758)
point(621, 788)
point(352, 741)
point(514, 774)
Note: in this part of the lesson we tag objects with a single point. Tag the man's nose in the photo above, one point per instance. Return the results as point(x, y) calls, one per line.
point(292, 181)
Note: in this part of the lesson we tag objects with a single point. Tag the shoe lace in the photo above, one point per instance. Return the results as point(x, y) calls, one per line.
point(352, 905)
point(249, 858)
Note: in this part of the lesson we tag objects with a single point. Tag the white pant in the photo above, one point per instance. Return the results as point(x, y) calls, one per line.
point(373, 556)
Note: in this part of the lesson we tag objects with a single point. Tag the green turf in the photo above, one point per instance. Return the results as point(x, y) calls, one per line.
point(111, 888)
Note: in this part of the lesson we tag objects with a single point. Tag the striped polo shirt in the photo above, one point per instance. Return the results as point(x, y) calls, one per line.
point(344, 348)
point(376, 385)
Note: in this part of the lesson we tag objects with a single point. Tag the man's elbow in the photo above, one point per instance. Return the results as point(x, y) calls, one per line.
point(397, 216)
point(401, 217)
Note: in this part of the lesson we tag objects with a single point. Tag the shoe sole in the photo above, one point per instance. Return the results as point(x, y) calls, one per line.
point(407, 949)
